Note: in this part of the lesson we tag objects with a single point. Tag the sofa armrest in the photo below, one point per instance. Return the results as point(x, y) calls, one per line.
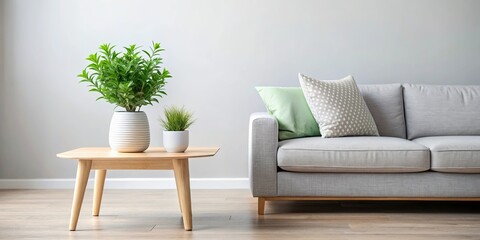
point(262, 154)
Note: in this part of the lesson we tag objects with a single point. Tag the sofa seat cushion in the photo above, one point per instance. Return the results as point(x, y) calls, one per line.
point(353, 154)
point(456, 154)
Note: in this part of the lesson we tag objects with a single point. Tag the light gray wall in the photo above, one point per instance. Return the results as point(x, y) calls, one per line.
point(217, 51)
point(3, 137)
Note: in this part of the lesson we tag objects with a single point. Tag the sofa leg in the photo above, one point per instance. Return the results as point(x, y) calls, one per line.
point(261, 206)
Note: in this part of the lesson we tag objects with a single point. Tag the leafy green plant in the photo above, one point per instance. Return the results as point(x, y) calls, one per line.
point(177, 119)
point(127, 79)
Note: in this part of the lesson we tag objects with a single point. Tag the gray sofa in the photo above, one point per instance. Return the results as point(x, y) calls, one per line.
point(428, 149)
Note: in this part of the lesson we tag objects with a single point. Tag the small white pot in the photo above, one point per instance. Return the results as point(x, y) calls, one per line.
point(129, 132)
point(175, 141)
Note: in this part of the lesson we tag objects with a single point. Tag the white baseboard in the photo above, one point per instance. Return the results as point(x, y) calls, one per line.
point(126, 183)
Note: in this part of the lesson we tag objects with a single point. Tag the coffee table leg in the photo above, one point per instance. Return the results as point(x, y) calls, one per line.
point(178, 193)
point(180, 168)
point(98, 190)
point(83, 170)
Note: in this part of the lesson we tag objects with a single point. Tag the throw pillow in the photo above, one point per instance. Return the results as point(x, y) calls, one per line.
point(338, 107)
point(289, 107)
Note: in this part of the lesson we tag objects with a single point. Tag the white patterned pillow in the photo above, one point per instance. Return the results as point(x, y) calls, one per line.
point(338, 107)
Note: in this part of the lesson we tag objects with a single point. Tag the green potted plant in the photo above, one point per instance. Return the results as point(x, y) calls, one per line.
point(129, 79)
point(176, 122)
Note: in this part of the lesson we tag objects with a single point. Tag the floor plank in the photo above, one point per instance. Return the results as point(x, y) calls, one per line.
point(230, 214)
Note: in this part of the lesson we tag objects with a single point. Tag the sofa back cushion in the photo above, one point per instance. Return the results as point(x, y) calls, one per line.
point(434, 110)
point(385, 102)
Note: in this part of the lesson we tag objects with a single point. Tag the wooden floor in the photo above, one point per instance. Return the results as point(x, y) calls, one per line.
point(230, 214)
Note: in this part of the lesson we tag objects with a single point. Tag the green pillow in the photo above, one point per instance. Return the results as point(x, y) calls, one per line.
point(289, 107)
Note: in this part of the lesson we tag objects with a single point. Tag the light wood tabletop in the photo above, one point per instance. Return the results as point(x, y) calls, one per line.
point(150, 153)
point(103, 159)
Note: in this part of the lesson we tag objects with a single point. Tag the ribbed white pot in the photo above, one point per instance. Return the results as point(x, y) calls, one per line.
point(175, 141)
point(129, 132)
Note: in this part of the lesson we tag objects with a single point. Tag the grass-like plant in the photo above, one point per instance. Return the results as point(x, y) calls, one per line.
point(129, 79)
point(177, 119)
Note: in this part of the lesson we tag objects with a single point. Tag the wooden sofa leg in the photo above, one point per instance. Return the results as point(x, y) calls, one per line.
point(261, 206)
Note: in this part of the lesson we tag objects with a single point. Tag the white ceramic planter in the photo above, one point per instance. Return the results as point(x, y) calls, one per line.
point(129, 132)
point(175, 141)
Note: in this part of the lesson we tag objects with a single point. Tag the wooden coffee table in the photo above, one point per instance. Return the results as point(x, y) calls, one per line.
point(103, 159)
